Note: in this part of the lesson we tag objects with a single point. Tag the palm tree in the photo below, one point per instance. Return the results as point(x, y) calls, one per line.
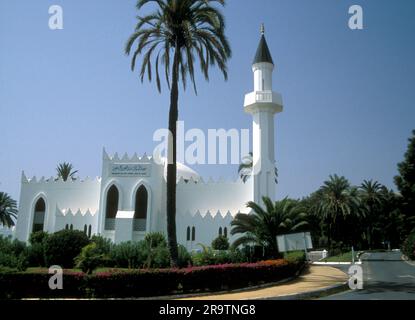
point(372, 199)
point(337, 202)
point(263, 225)
point(188, 30)
point(8, 210)
point(65, 171)
point(245, 168)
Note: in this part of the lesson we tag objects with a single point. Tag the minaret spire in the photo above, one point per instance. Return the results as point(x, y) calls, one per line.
point(263, 103)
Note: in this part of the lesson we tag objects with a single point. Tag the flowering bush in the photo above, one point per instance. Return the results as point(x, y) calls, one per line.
point(155, 282)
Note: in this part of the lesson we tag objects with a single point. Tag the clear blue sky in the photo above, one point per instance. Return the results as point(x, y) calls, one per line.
point(349, 95)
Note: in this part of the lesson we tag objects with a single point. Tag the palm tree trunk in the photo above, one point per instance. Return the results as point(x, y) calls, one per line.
point(172, 162)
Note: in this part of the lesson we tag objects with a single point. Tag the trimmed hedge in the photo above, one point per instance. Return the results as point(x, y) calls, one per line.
point(142, 283)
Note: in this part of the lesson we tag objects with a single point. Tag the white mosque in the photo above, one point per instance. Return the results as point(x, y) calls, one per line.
point(129, 199)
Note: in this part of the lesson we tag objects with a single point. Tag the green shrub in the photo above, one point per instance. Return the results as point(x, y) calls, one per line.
point(90, 258)
point(36, 255)
point(128, 254)
point(36, 250)
point(208, 257)
point(155, 239)
point(38, 237)
point(103, 245)
point(155, 251)
point(408, 247)
point(220, 243)
point(185, 259)
point(13, 254)
point(62, 247)
point(295, 256)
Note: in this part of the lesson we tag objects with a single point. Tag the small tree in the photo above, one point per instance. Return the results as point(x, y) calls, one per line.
point(406, 183)
point(90, 258)
point(8, 210)
point(220, 243)
point(65, 171)
point(62, 247)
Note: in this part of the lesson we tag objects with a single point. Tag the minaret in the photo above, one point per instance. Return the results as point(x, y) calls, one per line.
point(263, 104)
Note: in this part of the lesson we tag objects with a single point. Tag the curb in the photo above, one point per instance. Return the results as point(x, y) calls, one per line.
point(406, 260)
point(312, 294)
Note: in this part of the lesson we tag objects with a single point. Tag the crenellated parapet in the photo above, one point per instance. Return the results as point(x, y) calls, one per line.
point(210, 216)
point(210, 181)
point(126, 158)
point(55, 180)
point(76, 213)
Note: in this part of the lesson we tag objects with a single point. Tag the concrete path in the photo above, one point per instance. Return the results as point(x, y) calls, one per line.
point(315, 278)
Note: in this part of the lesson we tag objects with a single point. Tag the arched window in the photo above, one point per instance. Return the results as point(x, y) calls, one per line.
point(39, 215)
point(225, 232)
point(140, 213)
point(220, 231)
point(112, 203)
point(85, 229)
point(89, 231)
point(71, 227)
point(66, 227)
point(193, 234)
point(188, 234)
point(111, 208)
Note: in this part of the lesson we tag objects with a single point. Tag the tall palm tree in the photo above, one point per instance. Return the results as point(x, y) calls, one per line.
point(263, 225)
point(245, 168)
point(372, 198)
point(8, 210)
point(65, 171)
point(337, 202)
point(189, 30)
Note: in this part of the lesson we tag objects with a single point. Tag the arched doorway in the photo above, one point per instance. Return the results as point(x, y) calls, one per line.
point(39, 215)
point(140, 212)
point(111, 208)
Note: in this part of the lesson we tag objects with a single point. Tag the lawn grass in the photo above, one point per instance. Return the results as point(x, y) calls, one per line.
point(344, 257)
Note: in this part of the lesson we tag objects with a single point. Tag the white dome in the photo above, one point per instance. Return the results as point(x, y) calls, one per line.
point(183, 171)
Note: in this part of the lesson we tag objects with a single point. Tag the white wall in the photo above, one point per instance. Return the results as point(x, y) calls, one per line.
point(74, 195)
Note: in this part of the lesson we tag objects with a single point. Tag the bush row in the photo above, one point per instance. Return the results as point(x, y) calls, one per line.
point(141, 283)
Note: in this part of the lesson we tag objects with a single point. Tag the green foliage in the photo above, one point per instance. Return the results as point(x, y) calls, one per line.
point(408, 247)
point(128, 254)
point(62, 247)
point(65, 171)
point(38, 237)
point(13, 254)
point(220, 243)
point(155, 239)
point(185, 258)
point(406, 184)
point(8, 210)
point(36, 250)
point(103, 245)
point(208, 257)
point(264, 224)
point(295, 256)
point(155, 251)
point(90, 258)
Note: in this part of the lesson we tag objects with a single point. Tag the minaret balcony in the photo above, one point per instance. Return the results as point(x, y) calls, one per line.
point(263, 101)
